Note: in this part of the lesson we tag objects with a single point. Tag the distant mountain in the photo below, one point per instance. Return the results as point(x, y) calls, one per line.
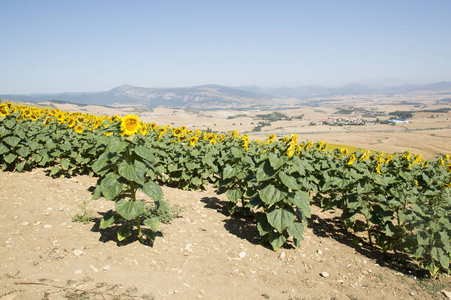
point(219, 96)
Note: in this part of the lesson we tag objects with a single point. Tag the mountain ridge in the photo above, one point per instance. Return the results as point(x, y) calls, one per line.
point(218, 96)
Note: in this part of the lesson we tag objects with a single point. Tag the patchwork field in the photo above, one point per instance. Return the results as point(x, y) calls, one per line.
point(205, 253)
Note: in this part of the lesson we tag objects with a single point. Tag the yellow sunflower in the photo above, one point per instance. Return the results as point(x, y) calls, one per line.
point(143, 130)
point(3, 110)
point(351, 159)
point(193, 140)
point(130, 125)
point(78, 129)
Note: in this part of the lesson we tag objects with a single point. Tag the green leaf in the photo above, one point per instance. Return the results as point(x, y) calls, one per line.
point(65, 163)
point(423, 238)
point(434, 253)
point(130, 209)
point(172, 168)
point(277, 240)
point(289, 181)
point(444, 259)
point(390, 229)
point(140, 169)
point(301, 200)
point(20, 166)
point(3, 131)
point(280, 218)
point(153, 190)
point(265, 171)
point(236, 152)
point(276, 161)
point(234, 194)
point(23, 151)
point(145, 153)
point(97, 193)
point(107, 220)
point(9, 158)
point(123, 233)
point(250, 193)
point(444, 238)
point(296, 230)
point(10, 122)
point(3, 149)
point(116, 145)
point(271, 194)
point(150, 234)
point(100, 163)
point(196, 181)
point(111, 186)
point(263, 225)
point(13, 141)
point(228, 172)
point(54, 170)
point(153, 223)
point(128, 172)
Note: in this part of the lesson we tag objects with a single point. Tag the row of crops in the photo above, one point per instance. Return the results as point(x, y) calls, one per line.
point(402, 201)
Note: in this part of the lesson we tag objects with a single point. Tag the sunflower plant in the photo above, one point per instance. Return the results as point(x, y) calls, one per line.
point(124, 167)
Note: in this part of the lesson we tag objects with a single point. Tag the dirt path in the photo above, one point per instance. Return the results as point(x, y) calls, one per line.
point(205, 254)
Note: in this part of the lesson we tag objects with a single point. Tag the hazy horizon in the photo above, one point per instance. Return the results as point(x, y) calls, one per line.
point(54, 46)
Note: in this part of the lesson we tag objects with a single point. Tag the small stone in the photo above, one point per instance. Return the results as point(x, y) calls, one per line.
point(447, 294)
point(242, 254)
point(78, 271)
point(24, 223)
point(412, 294)
point(94, 268)
point(282, 255)
point(106, 268)
point(48, 226)
point(324, 274)
point(320, 252)
point(78, 252)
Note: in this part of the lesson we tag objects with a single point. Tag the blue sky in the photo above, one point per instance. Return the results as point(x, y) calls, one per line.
point(78, 46)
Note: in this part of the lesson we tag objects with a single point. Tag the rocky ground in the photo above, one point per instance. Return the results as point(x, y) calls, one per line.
point(203, 254)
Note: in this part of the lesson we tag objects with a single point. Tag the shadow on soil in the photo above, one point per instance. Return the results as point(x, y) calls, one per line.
point(244, 227)
point(110, 234)
point(333, 228)
point(237, 224)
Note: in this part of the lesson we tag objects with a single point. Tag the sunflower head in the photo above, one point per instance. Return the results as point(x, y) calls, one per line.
point(271, 139)
point(78, 129)
point(193, 140)
point(143, 130)
point(3, 110)
point(130, 125)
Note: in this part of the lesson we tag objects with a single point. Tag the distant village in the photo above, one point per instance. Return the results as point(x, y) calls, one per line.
point(357, 119)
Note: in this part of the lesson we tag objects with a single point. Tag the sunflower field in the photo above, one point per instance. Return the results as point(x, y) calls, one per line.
point(402, 201)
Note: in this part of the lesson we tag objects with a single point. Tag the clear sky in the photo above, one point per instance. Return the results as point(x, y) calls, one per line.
point(78, 46)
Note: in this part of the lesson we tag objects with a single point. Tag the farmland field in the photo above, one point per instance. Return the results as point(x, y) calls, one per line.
point(206, 252)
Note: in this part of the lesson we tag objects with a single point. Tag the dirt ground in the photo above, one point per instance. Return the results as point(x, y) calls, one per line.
point(204, 254)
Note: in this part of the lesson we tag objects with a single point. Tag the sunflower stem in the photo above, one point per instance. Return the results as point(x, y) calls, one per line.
point(138, 225)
